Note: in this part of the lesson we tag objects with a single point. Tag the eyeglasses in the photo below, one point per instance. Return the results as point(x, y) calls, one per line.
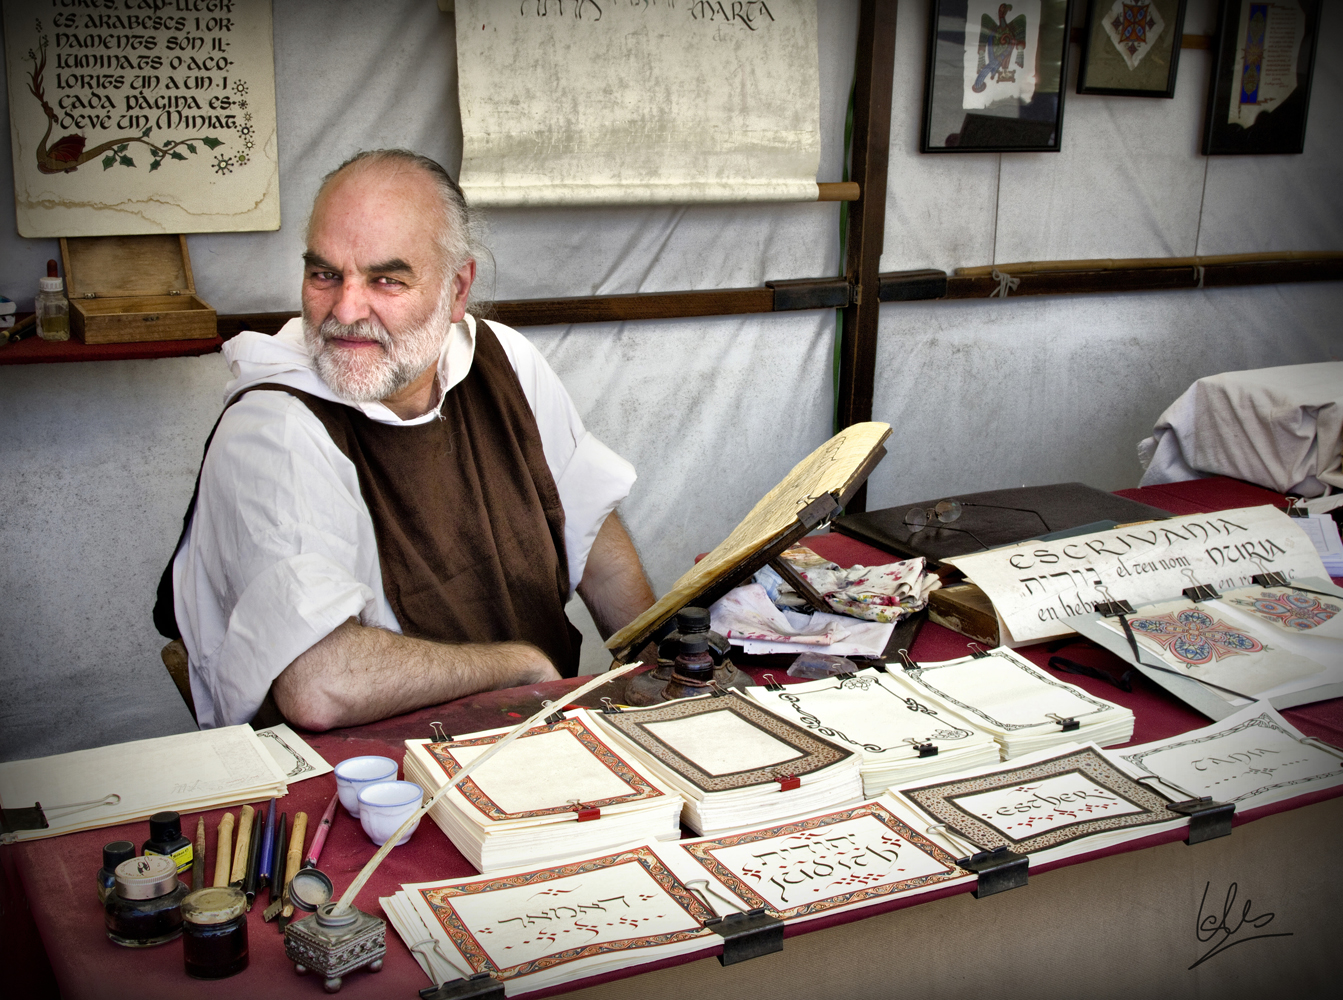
point(946, 511)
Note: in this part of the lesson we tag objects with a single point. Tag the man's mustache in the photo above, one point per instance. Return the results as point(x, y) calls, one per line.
point(331, 329)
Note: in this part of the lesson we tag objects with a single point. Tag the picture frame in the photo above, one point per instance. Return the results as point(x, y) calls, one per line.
point(1280, 37)
point(995, 76)
point(1131, 48)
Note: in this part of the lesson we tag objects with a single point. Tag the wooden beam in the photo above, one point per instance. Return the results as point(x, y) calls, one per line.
point(873, 78)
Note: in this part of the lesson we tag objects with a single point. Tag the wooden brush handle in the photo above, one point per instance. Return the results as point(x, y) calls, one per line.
point(224, 851)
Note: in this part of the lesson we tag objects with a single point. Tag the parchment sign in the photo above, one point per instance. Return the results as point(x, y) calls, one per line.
point(577, 102)
point(1035, 585)
point(142, 116)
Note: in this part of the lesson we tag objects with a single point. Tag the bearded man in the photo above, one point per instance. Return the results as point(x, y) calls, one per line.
point(398, 499)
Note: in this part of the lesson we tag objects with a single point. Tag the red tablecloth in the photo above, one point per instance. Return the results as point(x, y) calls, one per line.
point(57, 876)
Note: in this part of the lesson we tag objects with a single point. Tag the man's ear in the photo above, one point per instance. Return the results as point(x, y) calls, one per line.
point(461, 288)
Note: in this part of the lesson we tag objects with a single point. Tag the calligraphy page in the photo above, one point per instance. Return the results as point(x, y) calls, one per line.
point(1268, 39)
point(722, 743)
point(539, 775)
point(1001, 690)
point(870, 717)
point(540, 927)
point(1048, 801)
point(1197, 641)
point(1034, 586)
point(835, 860)
point(133, 118)
point(586, 103)
point(1251, 758)
point(1305, 620)
point(292, 754)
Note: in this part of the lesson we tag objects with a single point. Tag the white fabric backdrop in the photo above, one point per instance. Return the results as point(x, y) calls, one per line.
point(97, 460)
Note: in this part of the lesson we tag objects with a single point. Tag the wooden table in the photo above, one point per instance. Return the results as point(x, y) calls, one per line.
point(1120, 922)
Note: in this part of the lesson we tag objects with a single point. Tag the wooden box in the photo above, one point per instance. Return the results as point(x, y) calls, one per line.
point(127, 289)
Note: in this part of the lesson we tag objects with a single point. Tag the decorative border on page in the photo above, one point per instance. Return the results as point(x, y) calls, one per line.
point(640, 787)
point(816, 753)
point(1263, 721)
point(936, 801)
point(920, 676)
point(301, 764)
point(703, 852)
point(439, 901)
point(864, 684)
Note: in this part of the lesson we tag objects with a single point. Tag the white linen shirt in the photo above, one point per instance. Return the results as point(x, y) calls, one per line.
point(281, 549)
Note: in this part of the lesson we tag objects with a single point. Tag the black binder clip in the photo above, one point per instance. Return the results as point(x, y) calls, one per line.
point(1274, 579)
point(977, 652)
point(1201, 592)
point(1208, 820)
point(610, 708)
point(439, 733)
point(926, 749)
point(909, 663)
point(1113, 609)
point(770, 683)
point(747, 935)
point(1065, 725)
point(23, 818)
point(999, 870)
point(1296, 507)
point(716, 692)
point(481, 986)
point(554, 717)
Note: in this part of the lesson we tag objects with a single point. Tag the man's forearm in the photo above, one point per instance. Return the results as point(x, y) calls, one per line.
point(614, 586)
point(359, 674)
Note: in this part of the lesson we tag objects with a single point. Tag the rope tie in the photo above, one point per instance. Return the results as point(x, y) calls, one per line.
point(1006, 283)
point(1198, 273)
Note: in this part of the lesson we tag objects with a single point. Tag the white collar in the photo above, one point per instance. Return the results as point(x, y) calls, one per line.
point(255, 358)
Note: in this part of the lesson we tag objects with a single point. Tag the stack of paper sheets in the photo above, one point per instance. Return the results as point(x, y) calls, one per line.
point(556, 791)
point(189, 772)
point(1053, 804)
point(1022, 706)
point(534, 928)
point(736, 763)
point(1253, 758)
point(885, 724)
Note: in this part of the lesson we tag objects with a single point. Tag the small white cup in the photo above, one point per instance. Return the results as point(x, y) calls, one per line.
point(384, 806)
point(358, 773)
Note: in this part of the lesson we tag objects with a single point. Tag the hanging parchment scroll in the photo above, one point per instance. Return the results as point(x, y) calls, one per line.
point(664, 101)
point(138, 118)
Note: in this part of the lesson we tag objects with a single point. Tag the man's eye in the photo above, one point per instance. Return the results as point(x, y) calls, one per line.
point(323, 276)
point(387, 282)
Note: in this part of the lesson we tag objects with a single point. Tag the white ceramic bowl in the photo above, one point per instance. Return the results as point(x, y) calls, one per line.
point(383, 807)
point(359, 772)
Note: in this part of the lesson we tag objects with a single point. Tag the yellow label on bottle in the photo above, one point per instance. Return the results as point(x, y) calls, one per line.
point(182, 856)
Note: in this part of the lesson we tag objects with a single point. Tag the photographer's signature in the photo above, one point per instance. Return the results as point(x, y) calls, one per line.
point(1220, 931)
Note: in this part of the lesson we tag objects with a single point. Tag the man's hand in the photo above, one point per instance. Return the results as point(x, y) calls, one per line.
point(359, 674)
point(614, 586)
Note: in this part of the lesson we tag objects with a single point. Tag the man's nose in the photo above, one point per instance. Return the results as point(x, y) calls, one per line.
point(352, 306)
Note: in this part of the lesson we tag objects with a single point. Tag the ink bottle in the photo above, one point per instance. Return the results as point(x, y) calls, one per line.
point(113, 854)
point(52, 307)
point(165, 837)
point(214, 932)
point(145, 908)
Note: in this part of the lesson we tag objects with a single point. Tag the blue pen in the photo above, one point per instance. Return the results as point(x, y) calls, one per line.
point(265, 866)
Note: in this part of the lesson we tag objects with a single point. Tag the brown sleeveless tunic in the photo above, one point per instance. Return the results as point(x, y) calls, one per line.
point(468, 520)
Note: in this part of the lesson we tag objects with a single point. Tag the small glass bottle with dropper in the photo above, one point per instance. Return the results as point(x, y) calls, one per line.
point(52, 307)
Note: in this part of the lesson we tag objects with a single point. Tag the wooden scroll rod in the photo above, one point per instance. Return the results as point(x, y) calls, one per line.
point(1130, 263)
point(837, 191)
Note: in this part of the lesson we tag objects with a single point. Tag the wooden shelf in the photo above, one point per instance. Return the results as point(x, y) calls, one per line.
point(36, 351)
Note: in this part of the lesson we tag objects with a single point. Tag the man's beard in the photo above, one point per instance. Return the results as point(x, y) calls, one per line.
point(365, 376)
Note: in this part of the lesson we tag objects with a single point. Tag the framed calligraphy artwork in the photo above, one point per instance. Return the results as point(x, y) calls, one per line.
point(1263, 61)
point(157, 119)
point(1131, 48)
point(994, 76)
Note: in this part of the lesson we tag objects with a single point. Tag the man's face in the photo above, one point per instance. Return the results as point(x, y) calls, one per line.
point(376, 303)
